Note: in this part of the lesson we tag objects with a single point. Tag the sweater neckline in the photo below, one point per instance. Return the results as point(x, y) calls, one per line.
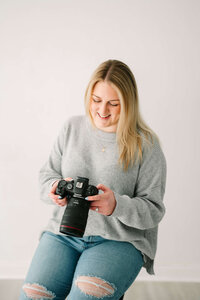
point(100, 134)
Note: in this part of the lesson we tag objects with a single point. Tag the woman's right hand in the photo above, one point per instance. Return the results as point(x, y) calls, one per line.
point(55, 197)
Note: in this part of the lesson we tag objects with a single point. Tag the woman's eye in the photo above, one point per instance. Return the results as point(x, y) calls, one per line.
point(114, 104)
point(96, 101)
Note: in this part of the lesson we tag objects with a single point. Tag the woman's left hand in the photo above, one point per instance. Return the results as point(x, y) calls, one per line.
point(103, 203)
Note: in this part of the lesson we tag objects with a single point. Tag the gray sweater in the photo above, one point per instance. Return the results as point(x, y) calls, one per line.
point(138, 191)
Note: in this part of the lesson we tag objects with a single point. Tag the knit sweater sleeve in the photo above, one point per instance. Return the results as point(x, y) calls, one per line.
point(51, 170)
point(145, 209)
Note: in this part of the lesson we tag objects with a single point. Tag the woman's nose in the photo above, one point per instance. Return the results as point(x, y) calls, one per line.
point(104, 109)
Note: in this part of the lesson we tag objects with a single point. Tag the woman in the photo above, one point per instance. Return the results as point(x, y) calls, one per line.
point(119, 153)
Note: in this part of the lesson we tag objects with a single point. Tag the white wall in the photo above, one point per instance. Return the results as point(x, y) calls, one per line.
point(48, 50)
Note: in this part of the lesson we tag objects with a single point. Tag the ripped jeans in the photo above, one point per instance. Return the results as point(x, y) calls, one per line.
point(81, 268)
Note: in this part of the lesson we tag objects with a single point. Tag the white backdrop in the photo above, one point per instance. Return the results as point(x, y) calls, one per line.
point(48, 50)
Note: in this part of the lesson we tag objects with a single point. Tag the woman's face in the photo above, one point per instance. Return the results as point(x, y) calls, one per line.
point(105, 107)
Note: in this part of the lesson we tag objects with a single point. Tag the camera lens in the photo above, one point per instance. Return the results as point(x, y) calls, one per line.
point(75, 217)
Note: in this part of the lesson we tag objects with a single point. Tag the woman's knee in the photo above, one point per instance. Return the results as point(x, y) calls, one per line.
point(94, 286)
point(35, 291)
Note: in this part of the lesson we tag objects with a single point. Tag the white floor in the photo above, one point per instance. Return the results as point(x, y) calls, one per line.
point(140, 290)
point(163, 291)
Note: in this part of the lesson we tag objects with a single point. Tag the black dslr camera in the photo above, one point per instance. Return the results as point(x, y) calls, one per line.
point(76, 213)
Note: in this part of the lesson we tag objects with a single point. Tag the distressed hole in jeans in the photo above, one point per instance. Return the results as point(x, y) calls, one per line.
point(35, 291)
point(94, 286)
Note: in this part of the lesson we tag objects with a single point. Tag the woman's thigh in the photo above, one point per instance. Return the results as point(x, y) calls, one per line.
point(106, 271)
point(51, 271)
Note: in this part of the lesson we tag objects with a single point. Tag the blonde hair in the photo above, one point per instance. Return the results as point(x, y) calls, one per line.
point(131, 129)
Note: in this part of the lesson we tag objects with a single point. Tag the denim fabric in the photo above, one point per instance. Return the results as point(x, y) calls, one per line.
point(59, 260)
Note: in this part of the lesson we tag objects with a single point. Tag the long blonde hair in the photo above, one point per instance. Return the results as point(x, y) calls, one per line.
point(131, 129)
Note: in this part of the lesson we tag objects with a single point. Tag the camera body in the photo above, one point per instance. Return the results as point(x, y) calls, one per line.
point(74, 219)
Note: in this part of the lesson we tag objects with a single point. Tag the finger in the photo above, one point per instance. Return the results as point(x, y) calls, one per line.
point(54, 186)
point(94, 198)
point(55, 197)
point(60, 202)
point(96, 204)
point(96, 209)
point(102, 187)
point(68, 179)
point(63, 203)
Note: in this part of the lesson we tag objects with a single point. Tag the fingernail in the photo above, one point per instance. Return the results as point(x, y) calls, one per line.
point(59, 197)
point(86, 198)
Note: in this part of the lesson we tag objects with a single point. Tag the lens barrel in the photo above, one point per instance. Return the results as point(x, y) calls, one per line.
point(74, 219)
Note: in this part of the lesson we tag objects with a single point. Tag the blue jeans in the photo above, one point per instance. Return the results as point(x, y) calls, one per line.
point(81, 268)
